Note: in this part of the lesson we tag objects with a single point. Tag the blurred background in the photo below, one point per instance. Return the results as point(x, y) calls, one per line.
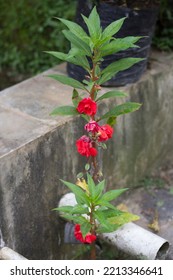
point(28, 27)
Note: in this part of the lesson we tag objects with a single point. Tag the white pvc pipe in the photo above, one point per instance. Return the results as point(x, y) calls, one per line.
point(8, 254)
point(130, 238)
point(137, 241)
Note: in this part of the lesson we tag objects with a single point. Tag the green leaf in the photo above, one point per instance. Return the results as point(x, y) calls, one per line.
point(85, 117)
point(108, 213)
point(76, 41)
point(102, 145)
point(58, 55)
point(81, 61)
point(80, 195)
point(102, 202)
point(112, 28)
point(67, 81)
point(90, 85)
point(107, 228)
point(116, 67)
point(111, 195)
point(80, 175)
point(93, 24)
point(118, 45)
point(121, 64)
point(77, 219)
point(78, 60)
point(87, 167)
point(123, 218)
point(122, 109)
point(99, 215)
point(112, 93)
point(79, 209)
point(98, 190)
point(103, 217)
point(76, 98)
point(85, 228)
point(112, 121)
point(97, 70)
point(110, 220)
point(64, 111)
point(75, 28)
point(91, 185)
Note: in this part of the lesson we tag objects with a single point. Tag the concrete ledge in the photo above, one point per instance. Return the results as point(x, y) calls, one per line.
point(37, 150)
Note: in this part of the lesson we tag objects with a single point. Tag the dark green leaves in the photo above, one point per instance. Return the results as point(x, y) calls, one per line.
point(116, 67)
point(111, 195)
point(72, 58)
point(77, 209)
point(74, 28)
point(67, 81)
point(123, 218)
point(76, 98)
point(112, 93)
point(64, 111)
point(118, 45)
point(124, 108)
point(108, 217)
point(76, 41)
point(99, 190)
point(102, 218)
point(113, 28)
point(111, 219)
point(91, 186)
point(95, 191)
point(80, 195)
point(93, 24)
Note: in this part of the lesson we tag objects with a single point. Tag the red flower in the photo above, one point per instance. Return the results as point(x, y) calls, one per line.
point(105, 132)
point(89, 238)
point(87, 106)
point(85, 148)
point(92, 126)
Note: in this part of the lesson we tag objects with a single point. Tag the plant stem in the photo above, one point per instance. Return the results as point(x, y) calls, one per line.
point(93, 251)
point(95, 169)
point(93, 223)
point(94, 161)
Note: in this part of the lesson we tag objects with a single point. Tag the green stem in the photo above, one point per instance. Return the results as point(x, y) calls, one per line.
point(93, 76)
point(93, 251)
point(93, 223)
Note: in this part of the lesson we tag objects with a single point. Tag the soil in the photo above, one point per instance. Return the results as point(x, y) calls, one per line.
point(133, 4)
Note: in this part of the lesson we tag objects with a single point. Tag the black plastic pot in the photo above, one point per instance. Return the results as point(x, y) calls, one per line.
point(138, 23)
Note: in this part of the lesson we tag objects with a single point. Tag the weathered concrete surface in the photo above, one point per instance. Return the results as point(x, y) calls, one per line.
point(37, 150)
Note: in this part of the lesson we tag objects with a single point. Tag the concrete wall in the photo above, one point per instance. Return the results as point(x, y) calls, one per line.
point(37, 150)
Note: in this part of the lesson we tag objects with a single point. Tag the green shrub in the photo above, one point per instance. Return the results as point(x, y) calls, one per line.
point(27, 28)
point(163, 38)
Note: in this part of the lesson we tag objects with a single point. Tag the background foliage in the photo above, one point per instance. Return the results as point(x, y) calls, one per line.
point(27, 28)
point(163, 39)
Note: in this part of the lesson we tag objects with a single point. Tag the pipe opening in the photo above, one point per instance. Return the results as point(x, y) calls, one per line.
point(161, 254)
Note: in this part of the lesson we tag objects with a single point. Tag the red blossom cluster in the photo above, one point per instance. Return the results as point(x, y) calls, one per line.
point(86, 145)
point(89, 238)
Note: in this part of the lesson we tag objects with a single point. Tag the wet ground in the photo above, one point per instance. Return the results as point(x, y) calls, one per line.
point(152, 200)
